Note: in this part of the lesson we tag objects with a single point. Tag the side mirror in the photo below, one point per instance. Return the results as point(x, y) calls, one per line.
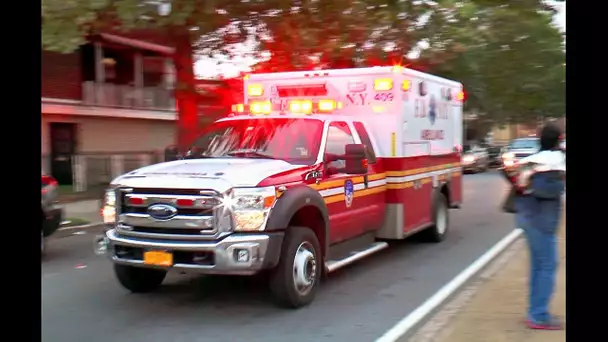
point(355, 160)
point(172, 153)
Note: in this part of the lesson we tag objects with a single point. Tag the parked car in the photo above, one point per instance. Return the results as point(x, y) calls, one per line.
point(520, 148)
point(51, 211)
point(494, 155)
point(474, 158)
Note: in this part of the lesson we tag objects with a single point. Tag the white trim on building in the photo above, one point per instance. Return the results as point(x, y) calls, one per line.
point(72, 107)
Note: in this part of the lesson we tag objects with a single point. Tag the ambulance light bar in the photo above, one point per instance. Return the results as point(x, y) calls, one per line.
point(305, 107)
point(383, 84)
point(261, 107)
point(300, 107)
point(329, 105)
point(304, 90)
point(255, 90)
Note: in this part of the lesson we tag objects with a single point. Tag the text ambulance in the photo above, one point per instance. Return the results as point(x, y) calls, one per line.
point(311, 173)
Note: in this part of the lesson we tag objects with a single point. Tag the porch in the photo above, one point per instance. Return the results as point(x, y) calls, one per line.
point(127, 73)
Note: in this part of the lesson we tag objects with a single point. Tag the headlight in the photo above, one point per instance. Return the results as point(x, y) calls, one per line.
point(468, 158)
point(109, 207)
point(508, 155)
point(250, 207)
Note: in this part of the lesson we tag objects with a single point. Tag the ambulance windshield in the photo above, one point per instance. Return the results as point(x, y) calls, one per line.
point(295, 141)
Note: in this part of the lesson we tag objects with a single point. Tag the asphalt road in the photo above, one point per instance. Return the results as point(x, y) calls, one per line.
point(81, 301)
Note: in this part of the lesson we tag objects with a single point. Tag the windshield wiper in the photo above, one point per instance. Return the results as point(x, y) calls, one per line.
point(249, 153)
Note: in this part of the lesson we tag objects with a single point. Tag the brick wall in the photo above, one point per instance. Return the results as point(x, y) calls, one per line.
point(61, 75)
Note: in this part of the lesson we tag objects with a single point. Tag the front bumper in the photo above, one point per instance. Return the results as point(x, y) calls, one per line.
point(225, 256)
point(469, 166)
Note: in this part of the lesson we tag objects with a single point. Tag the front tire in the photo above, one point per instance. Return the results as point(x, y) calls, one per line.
point(139, 280)
point(42, 249)
point(441, 221)
point(295, 280)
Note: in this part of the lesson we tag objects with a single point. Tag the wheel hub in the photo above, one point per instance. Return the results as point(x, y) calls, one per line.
point(304, 268)
point(442, 219)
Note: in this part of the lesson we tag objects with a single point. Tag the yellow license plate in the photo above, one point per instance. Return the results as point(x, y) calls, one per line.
point(158, 258)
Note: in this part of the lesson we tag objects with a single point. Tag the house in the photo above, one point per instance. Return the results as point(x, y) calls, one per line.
point(108, 106)
point(503, 134)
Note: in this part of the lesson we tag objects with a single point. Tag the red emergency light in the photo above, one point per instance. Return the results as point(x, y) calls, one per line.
point(185, 202)
point(302, 90)
point(136, 200)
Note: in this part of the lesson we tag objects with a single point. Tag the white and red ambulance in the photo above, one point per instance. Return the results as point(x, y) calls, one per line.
point(314, 171)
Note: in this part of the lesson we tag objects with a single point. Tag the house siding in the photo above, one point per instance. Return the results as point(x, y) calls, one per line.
point(61, 75)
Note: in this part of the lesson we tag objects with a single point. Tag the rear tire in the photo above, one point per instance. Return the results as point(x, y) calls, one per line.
point(295, 280)
point(139, 280)
point(441, 221)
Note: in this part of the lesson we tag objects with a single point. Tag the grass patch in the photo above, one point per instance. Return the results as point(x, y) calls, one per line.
point(72, 222)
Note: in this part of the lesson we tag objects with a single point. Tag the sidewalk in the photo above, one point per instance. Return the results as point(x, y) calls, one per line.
point(496, 309)
point(87, 210)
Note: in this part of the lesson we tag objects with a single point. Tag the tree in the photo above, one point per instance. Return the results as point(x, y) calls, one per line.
point(296, 34)
point(506, 53)
point(337, 34)
point(510, 59)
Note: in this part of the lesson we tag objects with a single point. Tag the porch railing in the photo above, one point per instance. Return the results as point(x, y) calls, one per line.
point(125, 96)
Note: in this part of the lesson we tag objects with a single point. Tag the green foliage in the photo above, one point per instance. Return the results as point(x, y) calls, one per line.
point(506, 53)
point(67, 23)
point(511, 60)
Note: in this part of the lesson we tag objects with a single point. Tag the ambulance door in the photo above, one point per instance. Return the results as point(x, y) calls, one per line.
point(372, 193)
point(338, 188)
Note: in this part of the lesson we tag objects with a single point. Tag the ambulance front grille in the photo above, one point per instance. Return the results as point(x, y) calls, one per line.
point(195, 221)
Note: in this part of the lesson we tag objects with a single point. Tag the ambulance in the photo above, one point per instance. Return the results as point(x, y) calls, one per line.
point(314, 171)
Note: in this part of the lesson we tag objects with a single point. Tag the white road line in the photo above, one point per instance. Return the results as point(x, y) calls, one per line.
point(408, 322)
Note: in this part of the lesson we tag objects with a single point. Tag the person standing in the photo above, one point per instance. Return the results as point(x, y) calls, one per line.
point(539, 182)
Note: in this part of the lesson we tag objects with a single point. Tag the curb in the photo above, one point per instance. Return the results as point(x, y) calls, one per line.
point(412, 320)
point(82, 226)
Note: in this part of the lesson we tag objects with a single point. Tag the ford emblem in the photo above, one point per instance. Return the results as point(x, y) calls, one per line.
point(161, 211)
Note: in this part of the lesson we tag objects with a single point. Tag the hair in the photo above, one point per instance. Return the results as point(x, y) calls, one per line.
point(550, 137)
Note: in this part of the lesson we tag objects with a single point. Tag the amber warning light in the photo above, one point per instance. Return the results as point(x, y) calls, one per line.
point(461, 96)
point(307, 107)
point(254, 90)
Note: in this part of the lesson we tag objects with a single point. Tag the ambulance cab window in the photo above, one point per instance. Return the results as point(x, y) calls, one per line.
point(338, 136)
point(296, 141)
point(365, 140)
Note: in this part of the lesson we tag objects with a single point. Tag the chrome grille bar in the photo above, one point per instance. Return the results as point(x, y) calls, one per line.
point(179, 221)
point(200, 202)
point(193, 222)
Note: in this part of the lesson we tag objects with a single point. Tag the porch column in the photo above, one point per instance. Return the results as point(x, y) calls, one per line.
point(117, 165)
point(138, 78)
point(100, 73)
point(169, 82)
